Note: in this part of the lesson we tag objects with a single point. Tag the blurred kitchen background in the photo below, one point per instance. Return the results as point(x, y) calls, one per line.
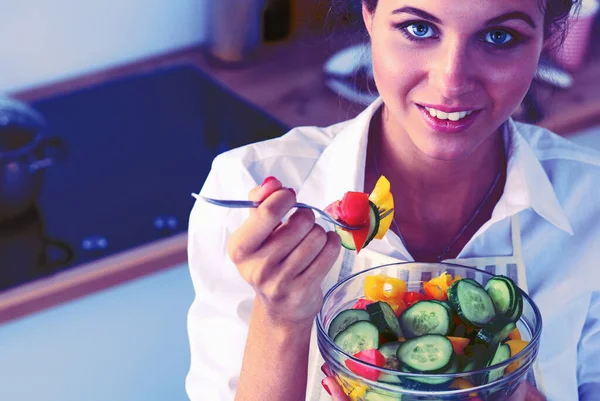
point(110, 115)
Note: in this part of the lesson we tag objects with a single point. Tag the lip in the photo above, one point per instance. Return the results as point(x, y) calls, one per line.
point(447, 126)
point(447, 109)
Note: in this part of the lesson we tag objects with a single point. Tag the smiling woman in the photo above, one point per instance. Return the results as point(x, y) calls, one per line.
point(470, 186)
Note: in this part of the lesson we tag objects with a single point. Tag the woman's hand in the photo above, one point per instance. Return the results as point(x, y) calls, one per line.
point(331, 385)
point(527, 392)
point(284, 262)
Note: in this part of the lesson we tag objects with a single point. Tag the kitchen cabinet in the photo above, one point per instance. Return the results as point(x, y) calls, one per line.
point(126, 343)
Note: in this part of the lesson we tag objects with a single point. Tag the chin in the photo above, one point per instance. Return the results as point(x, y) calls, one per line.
point(448, 148)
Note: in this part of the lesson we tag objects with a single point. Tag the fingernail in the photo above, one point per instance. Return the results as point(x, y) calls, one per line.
point(292, 191)
point(324, 370)
point(267, 180)
point(325, 387)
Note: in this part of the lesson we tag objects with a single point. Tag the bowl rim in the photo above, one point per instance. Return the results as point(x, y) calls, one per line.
point(537, 331)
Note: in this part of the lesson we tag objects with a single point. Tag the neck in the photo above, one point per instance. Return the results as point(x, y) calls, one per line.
point(431, 192)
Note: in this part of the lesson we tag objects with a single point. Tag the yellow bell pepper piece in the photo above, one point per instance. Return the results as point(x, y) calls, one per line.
point(383, 199)
point(358, 393)
point(461, 384)
point(515, 334)
point(516, 346)
point(353, 388)
point(380, 287)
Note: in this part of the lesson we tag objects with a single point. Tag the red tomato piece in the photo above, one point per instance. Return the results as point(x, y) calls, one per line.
point(334, 210)
point(362, 304)
point(355, 208)
point(411, 298)
point(371, 356)
point(360, 237)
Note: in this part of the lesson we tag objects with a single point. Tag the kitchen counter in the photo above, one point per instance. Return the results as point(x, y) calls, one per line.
point(285, 79)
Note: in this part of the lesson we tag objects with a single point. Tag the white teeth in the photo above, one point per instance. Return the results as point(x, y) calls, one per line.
point(441, 115)
point(455, 116)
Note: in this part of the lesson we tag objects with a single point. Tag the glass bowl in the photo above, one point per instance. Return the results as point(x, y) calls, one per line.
point(346, 293)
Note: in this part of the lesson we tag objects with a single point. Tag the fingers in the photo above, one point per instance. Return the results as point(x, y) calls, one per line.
point(326, 369)
point(261, 223)
point(532, 393)
point(527, 392)
point(269, 185)
point(288, 236)
point(323, 262)
point(332, 386)
point(334, 389)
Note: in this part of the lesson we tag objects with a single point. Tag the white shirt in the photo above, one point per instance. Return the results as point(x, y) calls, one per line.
point(552, 184)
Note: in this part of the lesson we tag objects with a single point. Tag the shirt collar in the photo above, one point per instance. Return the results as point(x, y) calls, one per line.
point(341, 168)
point(527, 184)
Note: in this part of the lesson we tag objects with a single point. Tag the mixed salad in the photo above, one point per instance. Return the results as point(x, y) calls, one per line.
point(454, 325)
point(364, 210)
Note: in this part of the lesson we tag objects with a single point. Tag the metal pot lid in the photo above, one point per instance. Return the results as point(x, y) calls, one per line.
point(20, 127)
point(16, 113)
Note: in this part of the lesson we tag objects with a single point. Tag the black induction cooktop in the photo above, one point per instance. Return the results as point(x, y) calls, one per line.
point(135, 149)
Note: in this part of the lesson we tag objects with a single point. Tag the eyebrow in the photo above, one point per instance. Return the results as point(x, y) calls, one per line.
point(418, 12)
point(518, 15)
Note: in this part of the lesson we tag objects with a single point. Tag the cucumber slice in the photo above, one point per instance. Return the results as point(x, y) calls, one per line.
point(389, 379)
point(390, 349)
point(373, 396)
point(506, 296)
point(501, 354)
point(453, 367)
point(471, 302)
point(344, 319)
point(502, 295)
point(383, 316)
point(359, 336)
point(391, 362)
point(426, 317)
point(373, 223)
point(495, 333)
point(431, 353)
point(518, 309)
point(348, 239)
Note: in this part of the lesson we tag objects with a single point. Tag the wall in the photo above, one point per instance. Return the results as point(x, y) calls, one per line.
point(43, 41)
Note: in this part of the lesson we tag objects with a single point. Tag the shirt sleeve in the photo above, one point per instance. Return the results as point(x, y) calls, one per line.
point(219, 316)
point(589, 353)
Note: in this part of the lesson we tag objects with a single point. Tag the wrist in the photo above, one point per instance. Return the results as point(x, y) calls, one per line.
point(280, 326)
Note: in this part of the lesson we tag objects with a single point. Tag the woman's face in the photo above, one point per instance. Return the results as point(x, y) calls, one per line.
point(451, 72)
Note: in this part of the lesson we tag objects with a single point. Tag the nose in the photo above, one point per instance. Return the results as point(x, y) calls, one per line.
point(453, 73)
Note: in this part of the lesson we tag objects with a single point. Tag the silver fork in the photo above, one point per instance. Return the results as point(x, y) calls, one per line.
point(246, 204)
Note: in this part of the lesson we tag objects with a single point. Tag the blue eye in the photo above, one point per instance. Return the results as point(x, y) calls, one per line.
point(420, 30)
point(498, 37)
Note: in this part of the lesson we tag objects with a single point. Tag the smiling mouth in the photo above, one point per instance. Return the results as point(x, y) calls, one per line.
point(448, 122)
point(453, 116)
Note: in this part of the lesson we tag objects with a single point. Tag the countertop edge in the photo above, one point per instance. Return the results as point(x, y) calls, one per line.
point(92, 277)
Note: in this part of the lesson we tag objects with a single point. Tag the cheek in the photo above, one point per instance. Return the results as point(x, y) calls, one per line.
point(396, 68)
point(509, 79)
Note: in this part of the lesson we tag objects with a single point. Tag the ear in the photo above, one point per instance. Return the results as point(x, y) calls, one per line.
point(367, 18)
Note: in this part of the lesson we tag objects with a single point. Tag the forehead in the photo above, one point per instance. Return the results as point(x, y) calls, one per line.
point(467, 11)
